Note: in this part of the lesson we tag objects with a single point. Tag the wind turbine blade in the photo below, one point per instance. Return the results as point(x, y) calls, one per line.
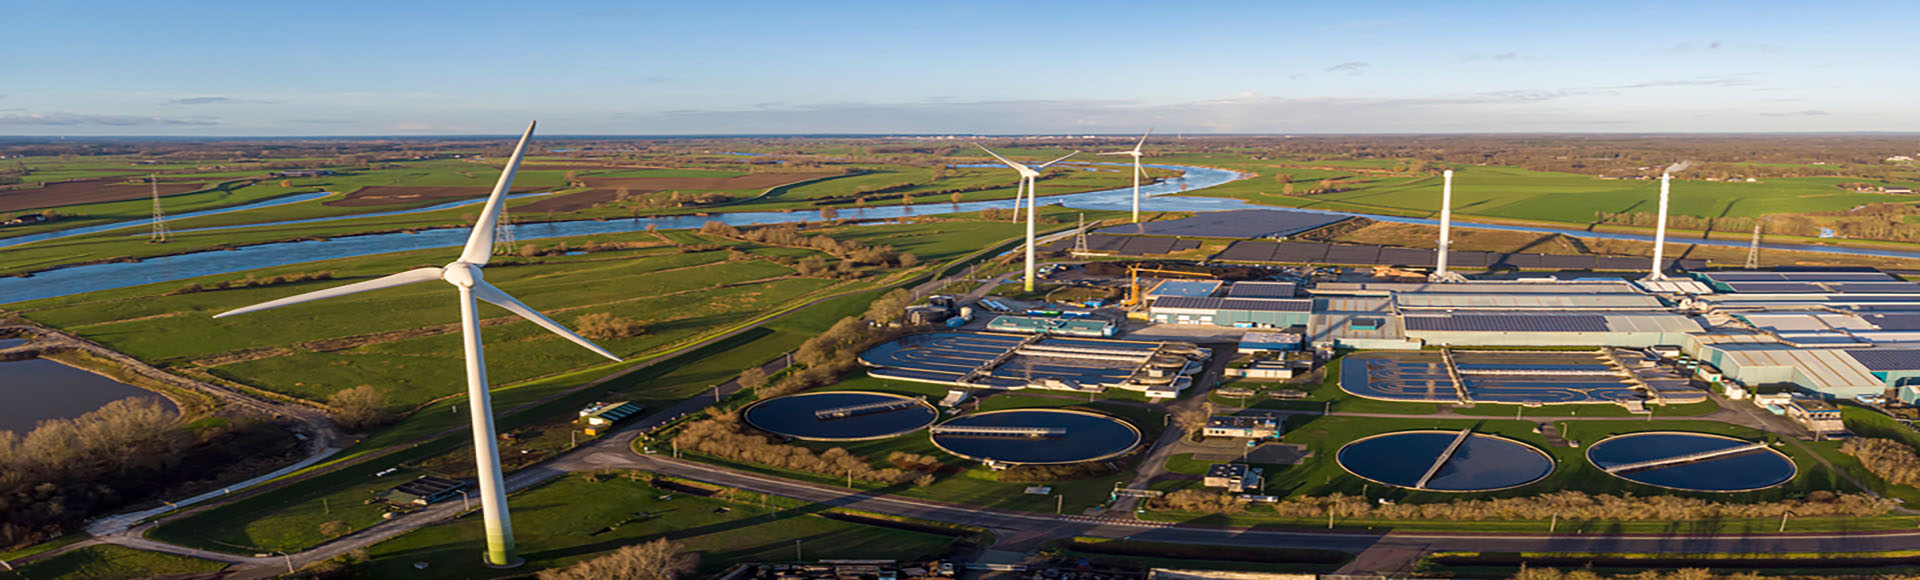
point(401, 279)
point(1063, 158)
point(1015, 166)
point(492, 295)
point(480, 242)
point(1143, 140)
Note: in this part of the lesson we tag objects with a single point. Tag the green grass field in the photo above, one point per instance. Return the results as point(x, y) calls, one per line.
point(555, 525)
point(106, 561)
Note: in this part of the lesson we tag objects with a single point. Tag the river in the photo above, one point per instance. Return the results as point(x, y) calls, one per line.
point(1159, 196)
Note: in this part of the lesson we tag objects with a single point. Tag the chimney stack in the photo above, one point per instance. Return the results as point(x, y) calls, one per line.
point(1440, 273)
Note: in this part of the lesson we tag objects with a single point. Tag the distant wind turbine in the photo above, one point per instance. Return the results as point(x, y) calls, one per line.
point(1027, 175)
point(1137, 171)
point(464, 274)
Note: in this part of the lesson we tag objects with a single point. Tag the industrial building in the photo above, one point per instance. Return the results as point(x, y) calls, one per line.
point(1236, 477)
point(1234, 312)
point(1083, 327)
point(1038, 361)
point(1243, 426)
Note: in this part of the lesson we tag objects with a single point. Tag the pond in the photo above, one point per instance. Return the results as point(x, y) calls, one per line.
point(38, 389)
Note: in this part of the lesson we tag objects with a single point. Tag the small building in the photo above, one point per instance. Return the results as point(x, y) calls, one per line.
point(1084, 327)
point(1243, 426)
point(425, 490)
point(1909, 394)
point(1254, 342)
point(1818, 415)
point(599, 417)
point(1900, 190)
point(303, 173)
point(1236, 477)
point(926, 314)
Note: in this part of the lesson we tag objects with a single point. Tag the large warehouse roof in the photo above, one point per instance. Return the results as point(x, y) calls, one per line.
point(1791, 276)
point(1244, 223)
point(1883, 360)
point(1184, 288)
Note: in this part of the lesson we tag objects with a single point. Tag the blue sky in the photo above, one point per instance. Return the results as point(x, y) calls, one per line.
point(379, 68)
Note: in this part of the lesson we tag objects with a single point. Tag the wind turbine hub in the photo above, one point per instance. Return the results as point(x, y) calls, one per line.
point(461, 274)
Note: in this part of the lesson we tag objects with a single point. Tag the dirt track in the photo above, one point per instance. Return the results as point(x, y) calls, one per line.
point(87, 191)
point(393, 194)
point(605, 188)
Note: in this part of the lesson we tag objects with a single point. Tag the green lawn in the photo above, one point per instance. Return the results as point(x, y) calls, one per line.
point(109, 561)
point(572, 519)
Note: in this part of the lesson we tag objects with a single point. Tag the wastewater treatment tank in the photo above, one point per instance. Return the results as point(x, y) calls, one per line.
point(1453, 461)
point(1692, 461)
point(1035, 436)
point(841, 415)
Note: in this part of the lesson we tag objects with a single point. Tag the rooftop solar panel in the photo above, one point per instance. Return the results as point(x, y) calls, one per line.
point(1620, 263)
point(1895, 321)
point(1260, 290)
point(1887, 360)
point(1467, 259)
point(1245, 223)
point(1874, 287)
point(1143, 246)
point(1777, 287)
point(1509, 323)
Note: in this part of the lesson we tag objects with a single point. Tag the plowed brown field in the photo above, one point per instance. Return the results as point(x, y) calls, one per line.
point(89, 191)
point(605, 188)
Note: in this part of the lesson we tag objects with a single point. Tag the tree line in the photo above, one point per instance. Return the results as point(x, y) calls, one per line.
point(64, 471)
point(1891, 460)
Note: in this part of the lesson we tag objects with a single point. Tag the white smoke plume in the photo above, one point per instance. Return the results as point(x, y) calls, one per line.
point(1679, 167)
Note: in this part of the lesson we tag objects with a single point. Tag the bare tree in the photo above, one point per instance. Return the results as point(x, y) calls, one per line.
point(656, 560)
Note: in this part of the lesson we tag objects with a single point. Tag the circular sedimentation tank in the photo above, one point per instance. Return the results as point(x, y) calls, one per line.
point(1036, 436)
point(1481, 462)
point(1692, 461)
point(841, 415)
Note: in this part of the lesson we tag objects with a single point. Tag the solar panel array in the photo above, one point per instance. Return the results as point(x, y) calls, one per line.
point(1509, 323)
point(1126, 245)
point(1249, 304)
point(1822, 287)
point(1792, 276)
point(1294, 252)
point(1260, 290)
point(1887, 360)
point(1244, 223)
point(1184, 288)
point(1895, 321)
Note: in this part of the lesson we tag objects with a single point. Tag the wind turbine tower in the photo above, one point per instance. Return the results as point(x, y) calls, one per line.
point(464, 274)
point(1137, 171)
point(1440, 271)
point(160, 234)
point(1027, 175)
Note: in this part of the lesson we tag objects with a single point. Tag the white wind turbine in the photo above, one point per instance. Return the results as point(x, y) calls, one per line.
point(464, 274)
point(1027, 175)
point(1137, 171)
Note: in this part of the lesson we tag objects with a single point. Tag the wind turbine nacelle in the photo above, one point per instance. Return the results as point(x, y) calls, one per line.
point(461, 274)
